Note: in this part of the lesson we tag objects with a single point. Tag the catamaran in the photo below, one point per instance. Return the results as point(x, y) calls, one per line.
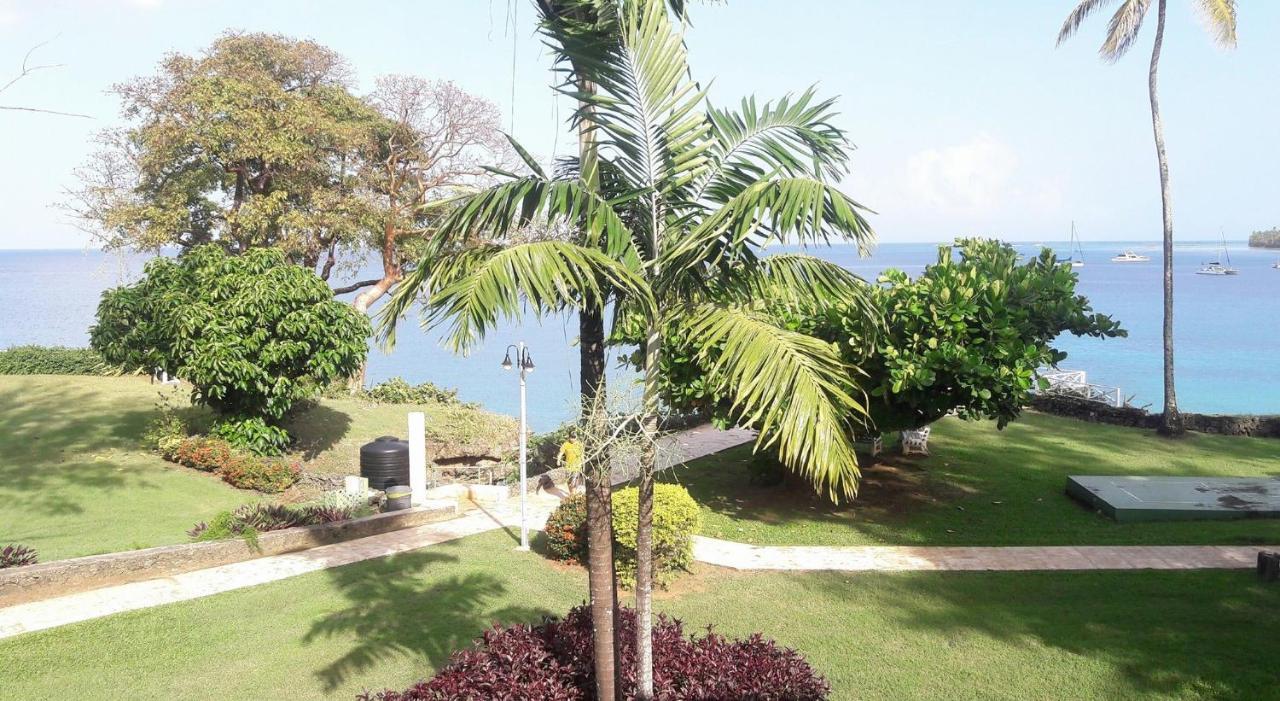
point(1216, 267)
point(1130, 257)
point(1077, 257)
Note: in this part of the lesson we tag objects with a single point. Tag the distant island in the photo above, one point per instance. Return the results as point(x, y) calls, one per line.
point(1265, 239)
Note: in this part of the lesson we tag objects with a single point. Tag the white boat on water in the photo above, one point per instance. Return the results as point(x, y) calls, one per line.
point(1130, 257)
point(1076, 259)
point(1216, 267)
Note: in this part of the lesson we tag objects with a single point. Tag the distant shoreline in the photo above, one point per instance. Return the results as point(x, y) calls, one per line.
point(1265, 239)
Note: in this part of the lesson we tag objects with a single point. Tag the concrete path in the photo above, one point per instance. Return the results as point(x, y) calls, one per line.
point(740, 556)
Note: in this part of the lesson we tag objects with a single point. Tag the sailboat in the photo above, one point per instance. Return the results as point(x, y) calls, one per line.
point(1216, 267)
point(1077, 253)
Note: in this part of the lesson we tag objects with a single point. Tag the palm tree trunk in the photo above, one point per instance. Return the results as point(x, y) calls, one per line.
point(601, 577)
point(1170, 420)
point(644, 527)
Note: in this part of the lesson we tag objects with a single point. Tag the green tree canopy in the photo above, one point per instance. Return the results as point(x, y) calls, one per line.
point(252, 334)
point(967, 335)
point(255, 142)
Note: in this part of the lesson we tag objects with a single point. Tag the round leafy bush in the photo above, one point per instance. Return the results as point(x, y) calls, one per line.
point(17, 556)
point(676, 518)
point(566, 530)
point(252, 334)
point(397, 391)
point(553, 661)
point(261, 474)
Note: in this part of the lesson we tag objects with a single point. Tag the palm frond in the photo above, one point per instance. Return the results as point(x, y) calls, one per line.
point(1124, 28)
point(796, 281)
point(1220, 19)
point(794, 136)
point(645, 108)
point(780, 210)
point(793, 387)
point(1078, 16)
point(498, 211)
point(483, 285)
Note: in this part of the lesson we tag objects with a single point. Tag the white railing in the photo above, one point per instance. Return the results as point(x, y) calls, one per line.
point(1075, 383)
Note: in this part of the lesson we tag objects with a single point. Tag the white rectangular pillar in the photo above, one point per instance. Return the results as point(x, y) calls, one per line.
point(417, 457)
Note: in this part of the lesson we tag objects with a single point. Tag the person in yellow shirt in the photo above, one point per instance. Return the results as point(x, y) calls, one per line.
point(570, 460)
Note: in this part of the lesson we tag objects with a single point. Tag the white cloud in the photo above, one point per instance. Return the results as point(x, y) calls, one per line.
point(978, 184)
point(9, 15)
point(971, 178)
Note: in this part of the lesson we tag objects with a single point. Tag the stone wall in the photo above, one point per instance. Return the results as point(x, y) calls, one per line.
point(1224, 424)
point(61, 577)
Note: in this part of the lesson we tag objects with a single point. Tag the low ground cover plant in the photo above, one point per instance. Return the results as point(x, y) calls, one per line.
point(54, 360)
point(676, 519)
point(17, 556)
point(553, 661)
point(252, 519)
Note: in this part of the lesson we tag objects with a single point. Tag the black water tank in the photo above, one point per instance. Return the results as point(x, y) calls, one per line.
point(385, 462)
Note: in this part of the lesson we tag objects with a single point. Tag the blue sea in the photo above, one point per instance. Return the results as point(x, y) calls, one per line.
point(1228, 328)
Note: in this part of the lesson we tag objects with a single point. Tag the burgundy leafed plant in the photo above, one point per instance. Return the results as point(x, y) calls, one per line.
point(554, 661)
point(17, 556)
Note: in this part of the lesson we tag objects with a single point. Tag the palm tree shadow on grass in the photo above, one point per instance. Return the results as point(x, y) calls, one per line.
point(398, 609)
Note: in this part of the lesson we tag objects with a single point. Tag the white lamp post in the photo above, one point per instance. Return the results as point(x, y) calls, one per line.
point(526, 366)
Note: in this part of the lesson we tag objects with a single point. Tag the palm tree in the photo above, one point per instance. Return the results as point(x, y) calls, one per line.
point(1123, 30)
point(695, 193)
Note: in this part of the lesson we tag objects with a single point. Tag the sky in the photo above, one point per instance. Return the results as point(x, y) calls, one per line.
point(967, 119)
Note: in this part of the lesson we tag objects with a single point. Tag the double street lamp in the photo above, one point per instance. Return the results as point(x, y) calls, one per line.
point(525, 363)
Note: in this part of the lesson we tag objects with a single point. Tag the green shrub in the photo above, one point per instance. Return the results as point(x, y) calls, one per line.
point(252, 434)
point(676, 518)
point(261, 474)
point(566, 530)
point(54, 360)
point(252, 333)
point(397, 391)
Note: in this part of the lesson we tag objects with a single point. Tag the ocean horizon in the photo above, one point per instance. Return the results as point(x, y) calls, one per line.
point(1225, 326)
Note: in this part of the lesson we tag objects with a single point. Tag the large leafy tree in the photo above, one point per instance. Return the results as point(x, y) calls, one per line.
point(694, 193)
point(967, 335)
point(253, 143)
point(252, 334)
point(1122, 33)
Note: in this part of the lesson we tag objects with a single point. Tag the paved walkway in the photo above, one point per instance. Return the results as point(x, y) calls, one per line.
point(686, 445)
point(741, 556)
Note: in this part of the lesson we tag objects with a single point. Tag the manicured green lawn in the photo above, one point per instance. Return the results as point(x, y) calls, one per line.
point(984, 487)
point(1130, 635)
point(76, 480)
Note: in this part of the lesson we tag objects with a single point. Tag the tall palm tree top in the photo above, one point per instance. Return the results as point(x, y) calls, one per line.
point(1219, 17)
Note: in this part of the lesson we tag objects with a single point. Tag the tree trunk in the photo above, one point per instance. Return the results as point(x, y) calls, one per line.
point(1170, 420)
point(602, 579)
point(644, 526)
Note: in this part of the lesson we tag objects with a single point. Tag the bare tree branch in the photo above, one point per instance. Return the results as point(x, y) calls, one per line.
point(28, 69)
point(356, 286)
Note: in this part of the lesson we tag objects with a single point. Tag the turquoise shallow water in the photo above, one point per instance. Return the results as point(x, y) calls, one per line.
point(1228, 328)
